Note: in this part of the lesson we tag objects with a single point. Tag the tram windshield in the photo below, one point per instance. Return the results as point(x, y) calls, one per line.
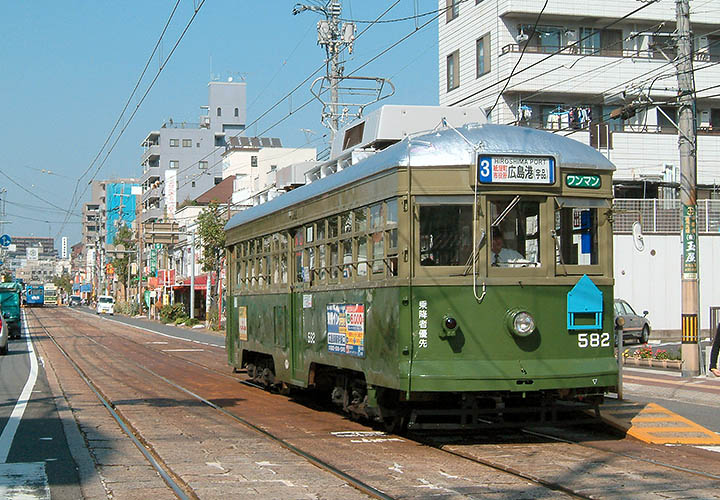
point(576, 232)
point(515, 232)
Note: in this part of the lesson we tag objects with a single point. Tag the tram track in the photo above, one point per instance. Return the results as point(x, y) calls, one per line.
point(175, 483)
point(359, 484)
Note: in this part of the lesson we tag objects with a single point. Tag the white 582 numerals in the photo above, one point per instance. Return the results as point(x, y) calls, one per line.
point(593, 340)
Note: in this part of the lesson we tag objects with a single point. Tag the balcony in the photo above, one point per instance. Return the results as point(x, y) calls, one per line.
point(644, 152)
point(152, 153)
point(600, 11)
point(151, 214)
point(151, 195)
point(589, 71)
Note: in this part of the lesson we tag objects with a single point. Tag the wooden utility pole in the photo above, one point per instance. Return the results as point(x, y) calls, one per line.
point(688, 191)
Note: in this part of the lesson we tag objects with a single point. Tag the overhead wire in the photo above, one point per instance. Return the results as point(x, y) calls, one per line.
point(306, 103)
point(142, 99)
point(73, 200)
point(519, 59)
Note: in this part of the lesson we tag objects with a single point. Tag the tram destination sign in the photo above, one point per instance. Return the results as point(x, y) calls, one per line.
point(516, 169)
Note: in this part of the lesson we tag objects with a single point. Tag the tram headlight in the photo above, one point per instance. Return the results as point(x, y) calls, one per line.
point(521, 322)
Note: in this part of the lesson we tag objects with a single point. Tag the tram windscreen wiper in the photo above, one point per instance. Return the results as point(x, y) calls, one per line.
point(507, 210)
point(474, 255)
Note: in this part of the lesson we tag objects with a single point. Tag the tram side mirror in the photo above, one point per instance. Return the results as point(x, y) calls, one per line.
point(638, 238)
point(645, 313)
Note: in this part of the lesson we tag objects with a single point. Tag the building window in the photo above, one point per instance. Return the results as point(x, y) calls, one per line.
point(174, 163)
point(237, 112)
point(218, 180)
point(174, 143)
point(203, 165)
point(197, 144)
point(453, 71)
point(187, 143)
point(452, 9)
point(219, 112)
point(193, 183)
point(253, 161)
point(482, 55)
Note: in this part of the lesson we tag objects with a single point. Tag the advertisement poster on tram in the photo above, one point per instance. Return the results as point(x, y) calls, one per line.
point(346, 329)
point(242, 323)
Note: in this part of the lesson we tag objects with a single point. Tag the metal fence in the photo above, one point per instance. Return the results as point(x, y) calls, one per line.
point(663, 216)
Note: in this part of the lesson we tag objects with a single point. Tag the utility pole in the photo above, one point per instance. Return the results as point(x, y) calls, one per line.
point(192, 275)
point(334, 36)
point(688, 192)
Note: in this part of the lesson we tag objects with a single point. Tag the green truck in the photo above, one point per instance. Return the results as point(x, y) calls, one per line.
point(10, 303)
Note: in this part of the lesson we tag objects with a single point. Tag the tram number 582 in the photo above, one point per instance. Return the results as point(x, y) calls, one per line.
point(593, 340)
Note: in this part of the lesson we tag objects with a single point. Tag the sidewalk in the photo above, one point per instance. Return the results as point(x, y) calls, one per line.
point(200, 335)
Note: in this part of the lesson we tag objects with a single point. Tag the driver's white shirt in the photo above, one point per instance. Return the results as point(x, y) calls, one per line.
point(505, 256)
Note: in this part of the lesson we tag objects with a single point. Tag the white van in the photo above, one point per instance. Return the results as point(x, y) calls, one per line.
point(106, 305)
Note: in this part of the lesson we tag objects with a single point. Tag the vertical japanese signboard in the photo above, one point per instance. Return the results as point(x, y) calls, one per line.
point(153, 261)
point(171, 192)
point(689, 236)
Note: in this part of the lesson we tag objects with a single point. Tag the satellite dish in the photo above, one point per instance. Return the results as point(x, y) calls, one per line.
point(638, 239)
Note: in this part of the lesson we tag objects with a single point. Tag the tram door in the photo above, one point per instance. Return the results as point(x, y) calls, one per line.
point(298, 309)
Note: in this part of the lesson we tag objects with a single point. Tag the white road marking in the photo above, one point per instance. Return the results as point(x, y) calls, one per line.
point(162, 343)
point(8, 433)
point(716, 449)
point(158, 333)
point(24, 481)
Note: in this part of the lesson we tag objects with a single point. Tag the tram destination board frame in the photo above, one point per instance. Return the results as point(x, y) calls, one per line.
point(516, 169)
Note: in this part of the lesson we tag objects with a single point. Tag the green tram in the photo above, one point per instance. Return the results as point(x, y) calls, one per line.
point(384, 285)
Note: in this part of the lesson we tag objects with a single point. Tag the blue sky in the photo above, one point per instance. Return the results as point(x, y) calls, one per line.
point(67, 69)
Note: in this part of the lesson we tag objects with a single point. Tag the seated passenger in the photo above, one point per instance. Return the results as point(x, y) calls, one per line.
point(501, 256)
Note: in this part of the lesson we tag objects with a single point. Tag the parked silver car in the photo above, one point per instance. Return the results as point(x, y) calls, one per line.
point(636, 326)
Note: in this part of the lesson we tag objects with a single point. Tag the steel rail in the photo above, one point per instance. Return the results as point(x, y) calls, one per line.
point(487, 463)
point(162, 469)
point(316, 461)
point(514, 472)
point(624, 455)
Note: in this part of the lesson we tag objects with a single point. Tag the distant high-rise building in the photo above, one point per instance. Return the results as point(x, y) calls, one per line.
point(64, 248)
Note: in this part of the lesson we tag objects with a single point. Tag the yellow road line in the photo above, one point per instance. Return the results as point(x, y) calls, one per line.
point(679, 430)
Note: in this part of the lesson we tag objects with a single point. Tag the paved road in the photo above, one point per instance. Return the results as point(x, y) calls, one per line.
point(34, 456)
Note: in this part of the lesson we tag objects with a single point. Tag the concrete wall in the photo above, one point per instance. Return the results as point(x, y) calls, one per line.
point(650, 280)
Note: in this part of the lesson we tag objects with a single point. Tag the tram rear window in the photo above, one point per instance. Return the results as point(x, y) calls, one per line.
point(445, 235)
point(576, 231)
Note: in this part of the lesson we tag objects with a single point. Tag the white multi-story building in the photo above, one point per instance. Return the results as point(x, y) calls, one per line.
point(255, 162)
point(581, 61)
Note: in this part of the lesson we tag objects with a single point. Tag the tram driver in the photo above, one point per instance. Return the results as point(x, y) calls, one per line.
point(502, 256)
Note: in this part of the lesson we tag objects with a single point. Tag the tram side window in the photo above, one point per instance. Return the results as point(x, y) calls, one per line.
point(515, 232)
point(576, 236)
point(392, 236)
point(445, 235)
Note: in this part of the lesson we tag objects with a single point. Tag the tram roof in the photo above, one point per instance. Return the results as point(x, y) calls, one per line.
point(444, 147)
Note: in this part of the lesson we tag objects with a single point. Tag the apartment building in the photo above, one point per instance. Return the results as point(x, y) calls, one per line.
point(255, 162)
point(182, 160)
point(581, 61)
